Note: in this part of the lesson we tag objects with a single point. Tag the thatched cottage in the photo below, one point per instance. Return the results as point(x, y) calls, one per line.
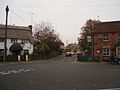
point(17, 34)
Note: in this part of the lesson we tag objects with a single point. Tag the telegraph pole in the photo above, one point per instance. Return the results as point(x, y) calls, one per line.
point(32, 18)
point(5, 38)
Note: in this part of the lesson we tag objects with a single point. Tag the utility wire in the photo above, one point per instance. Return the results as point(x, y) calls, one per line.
point(11, 2)
point(2, 3)
point(19, 17)
point(89, 5)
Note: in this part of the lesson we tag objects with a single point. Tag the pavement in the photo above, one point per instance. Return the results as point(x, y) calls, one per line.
point(31, 61)
point(47, 60)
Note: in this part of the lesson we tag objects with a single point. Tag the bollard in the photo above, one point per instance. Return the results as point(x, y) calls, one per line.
point(18, 58)
point(26, 57)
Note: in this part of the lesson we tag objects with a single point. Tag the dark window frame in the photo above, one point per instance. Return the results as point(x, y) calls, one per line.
point(24, 41)
point(106, 52)
point(14, 40)
point(1, 39)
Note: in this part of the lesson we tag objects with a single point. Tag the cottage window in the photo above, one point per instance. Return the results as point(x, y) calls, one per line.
point(105, 37)
point(106, 51)
point(24, 41)
point(1, 39)
point(13, 40)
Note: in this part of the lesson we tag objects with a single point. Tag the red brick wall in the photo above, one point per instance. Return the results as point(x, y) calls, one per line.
point(99, 44)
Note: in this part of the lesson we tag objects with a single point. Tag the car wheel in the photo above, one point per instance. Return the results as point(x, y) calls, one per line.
point(112, 63)
point(118, 62)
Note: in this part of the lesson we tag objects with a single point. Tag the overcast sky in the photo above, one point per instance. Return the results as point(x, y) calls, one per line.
point(67, 16)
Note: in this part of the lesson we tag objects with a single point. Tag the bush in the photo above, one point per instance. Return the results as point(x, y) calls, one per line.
point(88, 58)
point(52, 54)
point(11, 58)
point(35, 56)
point(61, 51)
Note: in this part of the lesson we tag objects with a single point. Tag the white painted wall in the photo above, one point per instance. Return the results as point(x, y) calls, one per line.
point(27, 46)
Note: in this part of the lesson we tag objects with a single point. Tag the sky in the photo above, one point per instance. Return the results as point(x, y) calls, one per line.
point(67, 16)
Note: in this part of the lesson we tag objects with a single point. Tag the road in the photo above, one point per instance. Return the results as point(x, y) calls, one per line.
point(60, 73)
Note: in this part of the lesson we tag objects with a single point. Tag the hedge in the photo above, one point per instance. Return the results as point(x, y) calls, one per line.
point(88, 58)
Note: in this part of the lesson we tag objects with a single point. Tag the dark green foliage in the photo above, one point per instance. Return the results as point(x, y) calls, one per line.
point(35, 56)
point(11, 58)
point(16, 49)
point(88, 58)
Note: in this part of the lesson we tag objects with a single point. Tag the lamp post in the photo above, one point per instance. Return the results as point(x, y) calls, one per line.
point(5, 38)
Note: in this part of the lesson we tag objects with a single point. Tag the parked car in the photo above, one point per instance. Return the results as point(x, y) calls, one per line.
point(73, 53)
point(116, 60)
point(78, 52)
point(68, 54)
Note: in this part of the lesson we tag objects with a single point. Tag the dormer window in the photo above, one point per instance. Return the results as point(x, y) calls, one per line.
point(105, 37)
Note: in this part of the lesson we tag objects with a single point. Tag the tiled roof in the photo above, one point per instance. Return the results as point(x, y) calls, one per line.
point(17, 32)
point(113, 26)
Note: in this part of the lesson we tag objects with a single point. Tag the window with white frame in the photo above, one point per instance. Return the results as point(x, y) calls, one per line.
point(13, 40)
point(105, 37)
point(106, 51)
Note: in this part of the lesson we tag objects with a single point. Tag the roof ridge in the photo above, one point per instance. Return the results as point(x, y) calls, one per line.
point(17, 27)
point(109, 22)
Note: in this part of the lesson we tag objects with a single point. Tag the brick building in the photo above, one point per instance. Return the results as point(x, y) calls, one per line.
point(106, 37)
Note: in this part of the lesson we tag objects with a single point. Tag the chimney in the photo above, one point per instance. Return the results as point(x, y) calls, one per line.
point(30, 26)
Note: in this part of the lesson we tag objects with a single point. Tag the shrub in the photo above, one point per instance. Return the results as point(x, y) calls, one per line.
point(11, 58)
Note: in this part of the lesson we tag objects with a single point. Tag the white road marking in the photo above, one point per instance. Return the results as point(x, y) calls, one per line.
point(15, 71)
point(5, 73)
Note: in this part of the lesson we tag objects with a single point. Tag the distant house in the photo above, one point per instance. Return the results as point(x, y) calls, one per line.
point(106, 38)
point(73, 47)
point(17, 34)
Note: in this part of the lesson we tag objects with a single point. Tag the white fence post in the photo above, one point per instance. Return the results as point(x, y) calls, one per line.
point(18, 58)
point(26, 58)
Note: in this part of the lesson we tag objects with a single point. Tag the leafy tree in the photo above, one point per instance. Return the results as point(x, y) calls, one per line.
point(86, 30)
point(47, 40)
point(43, 49)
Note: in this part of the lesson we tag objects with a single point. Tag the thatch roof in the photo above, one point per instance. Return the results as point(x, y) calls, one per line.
point(17, 32)
point(113, 26)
